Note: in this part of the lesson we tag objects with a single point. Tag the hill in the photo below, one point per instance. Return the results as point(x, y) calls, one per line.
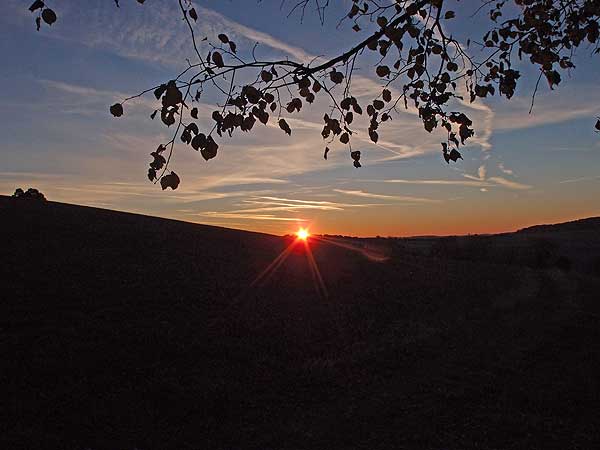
point(589, 224)
point(122, 331)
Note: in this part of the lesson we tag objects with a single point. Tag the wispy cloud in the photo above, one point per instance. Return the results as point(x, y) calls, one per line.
point(472, 182)
point(399, 198)
point(436, 182)
point(505, 170)
point(238, 216)
point(579, 180)
point(509, 184)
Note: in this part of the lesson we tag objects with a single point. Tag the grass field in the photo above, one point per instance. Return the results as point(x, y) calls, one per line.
point(120, 331)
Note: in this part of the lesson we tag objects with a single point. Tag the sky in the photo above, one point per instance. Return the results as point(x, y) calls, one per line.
point(520, 169)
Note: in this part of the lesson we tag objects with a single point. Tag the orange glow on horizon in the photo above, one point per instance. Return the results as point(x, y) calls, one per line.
point(302, 234)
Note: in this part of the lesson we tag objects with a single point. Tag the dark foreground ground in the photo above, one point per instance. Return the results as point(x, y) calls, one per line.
point(123, 332)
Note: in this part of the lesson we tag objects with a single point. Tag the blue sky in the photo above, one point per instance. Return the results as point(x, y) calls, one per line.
point(58, 136)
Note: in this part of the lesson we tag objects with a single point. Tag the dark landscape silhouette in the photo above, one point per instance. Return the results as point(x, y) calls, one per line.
point(123, 331)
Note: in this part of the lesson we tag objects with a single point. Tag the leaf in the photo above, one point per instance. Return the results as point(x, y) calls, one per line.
point(153, 115)
point(167, 116)
point(326, 151)
point(553, 78)
point(49, 16)
point(151, 174)
point(232, 46)
point(266, 76)
point(382, 71)
point(455, 155)
point(285, 127)
point(194, 113)
point(218, 59)
point(116, 110)
point(373, 135)
point(159, 161)
point(36, 5)
point(193, 14)
point(387, 95)
point(159, 91)
point(210, 151)
point(598, 125)
point(336, 77)
point(192, 127)
point(171, 180)
point(38, 23)
point(223, 38)
point(449, 15)
point(355, 155)
point(199, 141)
point(344, 138)
point(173, 96)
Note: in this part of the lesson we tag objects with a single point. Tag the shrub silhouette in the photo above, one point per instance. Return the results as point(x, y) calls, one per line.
point(31, 194)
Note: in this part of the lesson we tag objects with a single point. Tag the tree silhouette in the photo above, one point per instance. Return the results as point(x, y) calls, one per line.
point(418, 63)
point(29, 194)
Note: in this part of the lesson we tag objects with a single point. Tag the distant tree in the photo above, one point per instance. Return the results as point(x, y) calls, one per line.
point(31, 194)
point(418, 62)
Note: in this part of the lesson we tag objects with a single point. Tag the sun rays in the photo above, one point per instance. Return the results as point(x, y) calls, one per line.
point(302, 236)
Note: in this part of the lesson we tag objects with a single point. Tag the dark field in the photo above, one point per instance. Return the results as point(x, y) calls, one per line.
point(120, 331)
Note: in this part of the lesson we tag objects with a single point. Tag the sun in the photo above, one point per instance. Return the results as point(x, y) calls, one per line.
point(302, 234)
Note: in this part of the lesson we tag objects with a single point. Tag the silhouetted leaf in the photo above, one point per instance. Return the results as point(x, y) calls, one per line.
point(284, 126)
point(598, 125)
point(344, 138)
point(336, 77)
point(159, 91)
point(454, 155)
point(382, 71)
point(167, 116)
point(223, 38)
point(194, 113)
point(199, 141)
point(116, 110)
point(373, 135)
point(218, 59)
point(36, 5)
point(266, 76)
point(355, 155)
point(553, 78)
point(193, 14)
point(210, 151)
point(49, 16)
point(378, 104)
point(326, 151)
point(173, 96)
point(171, 180)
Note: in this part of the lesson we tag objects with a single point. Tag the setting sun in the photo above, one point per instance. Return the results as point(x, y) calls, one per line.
point(302, 234)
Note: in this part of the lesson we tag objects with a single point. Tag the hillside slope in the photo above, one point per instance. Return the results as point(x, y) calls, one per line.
point(122, 331)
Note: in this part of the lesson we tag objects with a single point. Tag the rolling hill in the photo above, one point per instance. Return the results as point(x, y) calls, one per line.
point(122, 331)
